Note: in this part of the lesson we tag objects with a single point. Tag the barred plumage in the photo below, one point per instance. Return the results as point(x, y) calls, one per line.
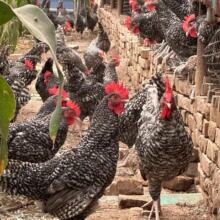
point(128, 128)
point(87, 93)
point(30, 140)
point(71, 184)
point(163, 145)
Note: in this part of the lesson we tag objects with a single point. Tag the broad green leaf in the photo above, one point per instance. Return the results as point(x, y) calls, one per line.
point(56, 117)
point(6, 13)
point(37, 22)
point(7, 106)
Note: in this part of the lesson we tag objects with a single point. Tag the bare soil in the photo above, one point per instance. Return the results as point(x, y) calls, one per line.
point(21, 208)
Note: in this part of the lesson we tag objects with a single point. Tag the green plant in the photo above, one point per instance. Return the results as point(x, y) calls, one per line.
point(39, 25)
point(12, 30)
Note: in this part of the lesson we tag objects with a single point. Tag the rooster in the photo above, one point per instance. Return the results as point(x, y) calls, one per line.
point(163, 145)
point(70, 185)
point(30, 140)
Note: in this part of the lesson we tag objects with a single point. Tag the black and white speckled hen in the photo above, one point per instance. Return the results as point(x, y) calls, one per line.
point(87, 93)
point(94, 54)
point(4, 63)
point(163, 145)
point(92, 17)
point(46, 80)
point(149, 26)
point(173, 30)
point(102, 40)
point(25, 67)
point(30, 140)
point(66, 54)
point(110, 74)
point(128, 128)
point(71, 184)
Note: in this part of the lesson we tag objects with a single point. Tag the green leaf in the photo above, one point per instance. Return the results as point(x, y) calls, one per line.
point(6, 13)
point(7, 106)
point(56, 117)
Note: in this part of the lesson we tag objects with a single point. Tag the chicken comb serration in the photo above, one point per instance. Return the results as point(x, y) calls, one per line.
point(74, 106)
point(134, 5)
point(168, 90)
point(67, 26)
point(117, 88)
point(55, 90)
point(186, 25)
point(28, 64)
point(150, 5)
point(128, 22)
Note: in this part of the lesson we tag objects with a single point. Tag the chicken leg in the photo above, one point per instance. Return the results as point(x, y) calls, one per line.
point(155, 207)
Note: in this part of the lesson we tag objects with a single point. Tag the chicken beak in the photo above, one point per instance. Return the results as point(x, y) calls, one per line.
point(78, 124)
point(169, 105)
point(125, 100)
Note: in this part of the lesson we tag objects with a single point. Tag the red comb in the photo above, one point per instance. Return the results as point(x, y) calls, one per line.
point(74, 107)
point(133, 4)
point(28, 64)
point(186, 25)
point(136, 30)
point(67, 26)
point(55, 90)
point(128, 22)
point(150, 5)
point(118, 89)
point(168, 90)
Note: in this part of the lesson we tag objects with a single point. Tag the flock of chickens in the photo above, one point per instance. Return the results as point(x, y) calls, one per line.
point(70, 185)
point(178, 24)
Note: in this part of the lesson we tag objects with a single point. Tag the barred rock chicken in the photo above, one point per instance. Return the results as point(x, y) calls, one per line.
point(110, 74)
point(174, 31)
point(70, 184)
point(102, 41)
point(4, 63)
point(30, 140)
point(46, 80)
point(105, 72)
point(81, 21)
point(212, 58)
point(128, 126)
point(66, 54)
point(92, 18)
point(43, 80)
point(85, 92)
point(25, 67)
point(149, 26)
point(163, 145)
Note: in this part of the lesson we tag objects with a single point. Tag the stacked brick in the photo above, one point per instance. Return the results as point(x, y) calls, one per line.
point(201, 114)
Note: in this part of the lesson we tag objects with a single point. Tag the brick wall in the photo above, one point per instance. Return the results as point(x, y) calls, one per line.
point(201, 114)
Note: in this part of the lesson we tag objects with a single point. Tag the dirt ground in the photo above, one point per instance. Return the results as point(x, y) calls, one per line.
point(20, 208)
